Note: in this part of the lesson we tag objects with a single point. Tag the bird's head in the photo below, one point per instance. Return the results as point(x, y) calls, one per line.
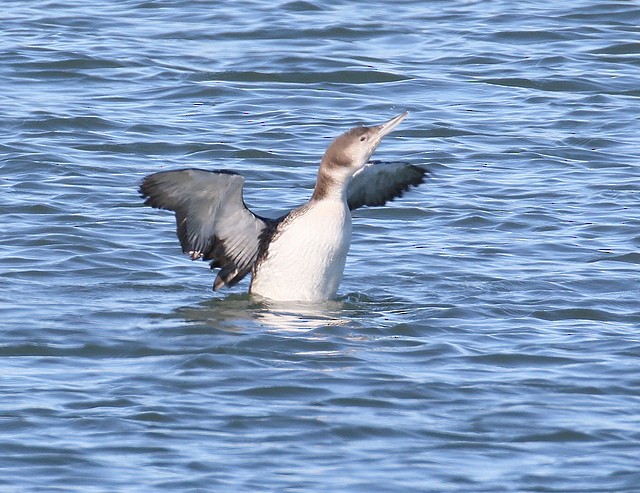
point(350, 151)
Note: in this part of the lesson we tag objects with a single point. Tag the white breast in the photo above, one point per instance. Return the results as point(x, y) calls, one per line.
point(305, 260)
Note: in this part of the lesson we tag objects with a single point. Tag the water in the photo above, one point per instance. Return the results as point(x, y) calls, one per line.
point(486, 334)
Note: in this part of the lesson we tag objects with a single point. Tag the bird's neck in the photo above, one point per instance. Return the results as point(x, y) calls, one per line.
point(332, 182)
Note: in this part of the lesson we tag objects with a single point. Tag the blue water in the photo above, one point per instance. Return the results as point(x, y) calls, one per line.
point(486, 337)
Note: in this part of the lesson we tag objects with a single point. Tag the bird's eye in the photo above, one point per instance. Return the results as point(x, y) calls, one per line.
point(363, 138)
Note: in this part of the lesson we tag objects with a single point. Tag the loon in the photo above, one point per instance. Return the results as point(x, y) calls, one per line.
point(301, 255)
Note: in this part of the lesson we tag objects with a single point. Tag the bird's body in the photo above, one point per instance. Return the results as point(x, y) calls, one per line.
point(319, 234)
point(301, 255)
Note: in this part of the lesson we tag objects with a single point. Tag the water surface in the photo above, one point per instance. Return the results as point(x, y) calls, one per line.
point(485, 337)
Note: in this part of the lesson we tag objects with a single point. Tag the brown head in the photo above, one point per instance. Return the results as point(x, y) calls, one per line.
point(348, 153)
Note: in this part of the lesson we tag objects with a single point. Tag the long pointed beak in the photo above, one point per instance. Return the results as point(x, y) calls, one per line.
point(387, 128)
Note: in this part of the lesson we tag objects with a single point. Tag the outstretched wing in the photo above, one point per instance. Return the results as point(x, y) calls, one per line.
point(378, 182)
point(213, 223)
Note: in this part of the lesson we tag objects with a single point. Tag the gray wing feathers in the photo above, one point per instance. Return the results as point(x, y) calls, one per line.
point(212, 220)
point(378, 182)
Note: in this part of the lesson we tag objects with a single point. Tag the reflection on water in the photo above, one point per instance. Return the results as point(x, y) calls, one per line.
point(242, 312)
point(301, 317)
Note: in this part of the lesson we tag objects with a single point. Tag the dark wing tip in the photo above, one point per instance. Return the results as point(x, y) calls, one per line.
point(384, 181)
point(153, 188)
point(418, 174)
point(144, 189)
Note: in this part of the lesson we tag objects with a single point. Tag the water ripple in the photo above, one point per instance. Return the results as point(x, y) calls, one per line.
point(485, 335)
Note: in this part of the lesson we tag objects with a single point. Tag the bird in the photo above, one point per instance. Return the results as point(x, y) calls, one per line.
point(299, 256)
